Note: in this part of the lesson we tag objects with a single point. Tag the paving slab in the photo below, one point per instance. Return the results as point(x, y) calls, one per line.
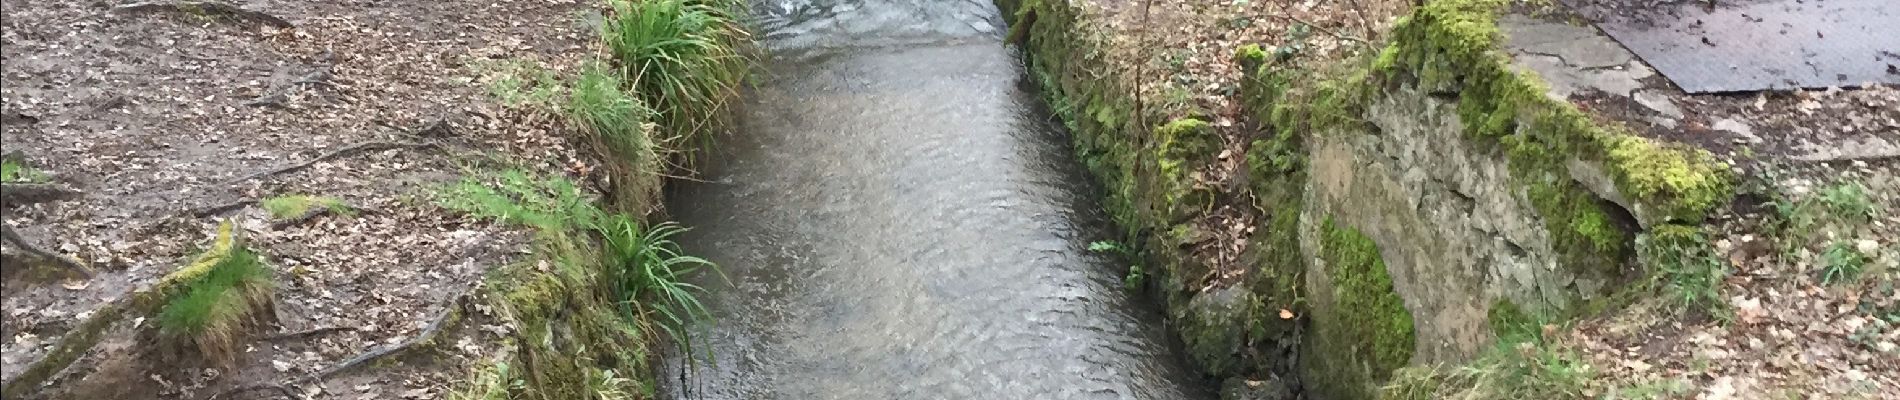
point(1751, 45)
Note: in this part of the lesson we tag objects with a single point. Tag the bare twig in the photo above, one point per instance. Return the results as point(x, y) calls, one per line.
point(285, 390)
point(14, 237)
point(207, 7)
point(347, 150)
point(1321, 29)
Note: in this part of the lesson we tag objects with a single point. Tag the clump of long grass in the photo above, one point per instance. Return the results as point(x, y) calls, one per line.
point(617, 125)
point(643, 270)
point(214, 312)
point(685, 58)
point(646, 271)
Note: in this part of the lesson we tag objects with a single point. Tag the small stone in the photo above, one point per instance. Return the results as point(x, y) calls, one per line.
point(280, 365)
point(1659, 103)
point(1738, 128)
point(1867, 246)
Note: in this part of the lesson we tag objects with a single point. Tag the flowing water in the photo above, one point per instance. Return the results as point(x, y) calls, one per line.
point(899, 219)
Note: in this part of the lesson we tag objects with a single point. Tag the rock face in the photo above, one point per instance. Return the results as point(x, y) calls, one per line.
point(1407, 201)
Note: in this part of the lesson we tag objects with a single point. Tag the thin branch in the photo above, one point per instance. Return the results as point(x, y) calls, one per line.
point(1321, 29)
point(348, 150)
point(10, 236)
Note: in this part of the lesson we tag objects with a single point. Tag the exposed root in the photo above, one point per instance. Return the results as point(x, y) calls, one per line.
point(306, 333)
point(221, 209)
point(207, 8)
point(352, 149)
point(16, 240)
point(428, 334)
point(13, 194)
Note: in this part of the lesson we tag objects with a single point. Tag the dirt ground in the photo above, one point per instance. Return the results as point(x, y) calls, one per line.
point(161, 117)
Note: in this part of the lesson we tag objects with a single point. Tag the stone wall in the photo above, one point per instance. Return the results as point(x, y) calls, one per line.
point(1408, 199)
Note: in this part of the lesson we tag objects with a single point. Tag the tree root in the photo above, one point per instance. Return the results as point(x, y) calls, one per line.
point(207, 8)
point(352, 149)
point(34, 193)
point(221, 209)
point(305, 333)
point(443, 319)
point(14, 238)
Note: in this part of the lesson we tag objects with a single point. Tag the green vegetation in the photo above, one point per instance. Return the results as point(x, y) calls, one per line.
point(646, 273)
point(603, 276)
point(1529, 369)
point(1524, 364)
point(490, 383)
point(521, 84)
point(1685, 268)
point(213, 312)
point(1367, 332)
point(1825, 218)
point(684, 58)
point(12, 170)
point(1841, 262)
point(298, 206)
point(616, 125)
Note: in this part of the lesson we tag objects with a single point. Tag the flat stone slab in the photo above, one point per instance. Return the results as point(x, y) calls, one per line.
point(1750, 45)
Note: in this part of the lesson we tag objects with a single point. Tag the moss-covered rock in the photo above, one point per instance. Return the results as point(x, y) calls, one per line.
point(1361, 331)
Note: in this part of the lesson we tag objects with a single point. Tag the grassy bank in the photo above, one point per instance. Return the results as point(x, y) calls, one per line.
point(607, 285)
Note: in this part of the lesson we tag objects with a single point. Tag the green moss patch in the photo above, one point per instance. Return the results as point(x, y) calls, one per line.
point(12, 170)
point(1453, 46)
point(1367, 333)
point(298, 206)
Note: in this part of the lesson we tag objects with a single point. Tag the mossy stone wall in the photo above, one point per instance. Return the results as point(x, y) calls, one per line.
point(1403, 195)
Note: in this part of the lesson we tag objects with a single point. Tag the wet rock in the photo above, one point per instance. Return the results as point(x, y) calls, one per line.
point(1214, 328)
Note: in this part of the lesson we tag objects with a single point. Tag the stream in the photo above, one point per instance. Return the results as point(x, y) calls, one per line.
point(897, 216)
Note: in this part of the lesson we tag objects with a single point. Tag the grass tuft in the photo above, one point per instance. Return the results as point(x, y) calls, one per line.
point(297, 206)
point(17, 171)
point(516, 196)
point(1525, 364)
point(646, 272)
point(683, 57)
point(1841, 262)
point(213, 313)
point(617, 126)
point(1687, 272)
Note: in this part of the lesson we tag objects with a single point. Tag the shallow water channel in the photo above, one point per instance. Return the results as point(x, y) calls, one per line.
point(899, 218)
